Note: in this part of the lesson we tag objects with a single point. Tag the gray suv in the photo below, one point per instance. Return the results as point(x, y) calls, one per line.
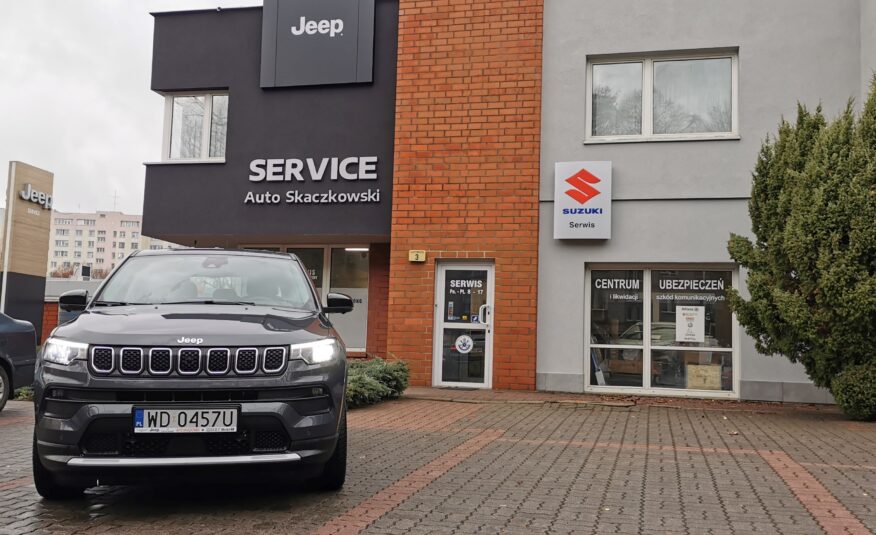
point(195, 362)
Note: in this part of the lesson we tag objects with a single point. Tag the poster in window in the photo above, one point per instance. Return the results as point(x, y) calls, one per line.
point(690, 324)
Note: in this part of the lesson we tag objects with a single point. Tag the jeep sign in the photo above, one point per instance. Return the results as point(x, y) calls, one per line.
point(316, 42)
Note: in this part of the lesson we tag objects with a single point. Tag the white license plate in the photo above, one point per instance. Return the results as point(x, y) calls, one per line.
point(219, 420)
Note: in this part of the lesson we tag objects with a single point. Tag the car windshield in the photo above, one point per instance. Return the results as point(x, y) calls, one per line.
point(209, 279)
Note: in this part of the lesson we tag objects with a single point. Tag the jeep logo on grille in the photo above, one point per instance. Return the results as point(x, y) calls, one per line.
point(185, 340)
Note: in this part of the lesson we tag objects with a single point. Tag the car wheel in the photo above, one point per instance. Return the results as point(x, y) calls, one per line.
point(334, 474)
point(5, 388)
point(45, 482)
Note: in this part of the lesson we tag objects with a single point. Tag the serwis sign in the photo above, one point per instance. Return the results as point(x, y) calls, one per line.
point(582, 200)
point(315, 42)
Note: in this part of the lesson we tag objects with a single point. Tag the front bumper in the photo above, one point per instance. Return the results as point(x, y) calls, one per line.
point(84, 425)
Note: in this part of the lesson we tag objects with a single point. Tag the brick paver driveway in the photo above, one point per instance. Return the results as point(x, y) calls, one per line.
point(426, 466)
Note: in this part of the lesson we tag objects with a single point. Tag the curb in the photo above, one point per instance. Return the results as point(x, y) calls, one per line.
point(571, 402)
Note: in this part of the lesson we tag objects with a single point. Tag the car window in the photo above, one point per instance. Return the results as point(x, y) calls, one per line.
point(201, 277)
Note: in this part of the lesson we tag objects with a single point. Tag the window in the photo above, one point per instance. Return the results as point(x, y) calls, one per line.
point(54, 264)
point(101, 239)
point(78, 243)
point(99, 260)
point(129, 224)
point(345, 270)
point(121, 234)
point(63, 221)
point(91, 243)
point(101, 250)
point(62, 232)
point(101, 233)
point(77, 254)
point(115, 234)
point(121, 245)
point(60, 254)
point(120, 255)
point(90, 254)
point(78, 232)
point(135, 235)
point(134, 245)
point(155, 247)
point(661, 330)
point(196, 126)
point(664, 97)
point(86, 222)
point(62, 243)
point(90, 233)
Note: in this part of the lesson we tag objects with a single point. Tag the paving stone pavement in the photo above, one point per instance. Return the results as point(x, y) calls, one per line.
point(428, 466)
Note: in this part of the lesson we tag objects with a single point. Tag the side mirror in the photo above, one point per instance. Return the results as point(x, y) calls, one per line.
point(73, 301)
point(338, 304)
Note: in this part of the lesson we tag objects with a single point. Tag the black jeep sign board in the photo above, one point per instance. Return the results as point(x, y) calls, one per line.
point(316, 42)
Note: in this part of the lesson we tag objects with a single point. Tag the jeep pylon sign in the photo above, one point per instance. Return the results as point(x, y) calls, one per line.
point(582, 200)
point(317, 42)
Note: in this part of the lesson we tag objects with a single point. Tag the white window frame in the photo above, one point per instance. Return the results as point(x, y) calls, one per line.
point(205, 132)
point(646, 389)
point(647, 61)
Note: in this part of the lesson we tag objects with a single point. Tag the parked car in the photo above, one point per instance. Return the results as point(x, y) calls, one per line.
point(202, 363)
point(17, 356)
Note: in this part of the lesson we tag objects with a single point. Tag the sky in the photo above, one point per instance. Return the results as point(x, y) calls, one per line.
point(75, 98)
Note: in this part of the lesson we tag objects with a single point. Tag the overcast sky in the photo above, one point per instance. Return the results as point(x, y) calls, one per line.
point(75, 98)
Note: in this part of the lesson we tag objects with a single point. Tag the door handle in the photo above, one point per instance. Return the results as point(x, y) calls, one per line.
point(482, 314)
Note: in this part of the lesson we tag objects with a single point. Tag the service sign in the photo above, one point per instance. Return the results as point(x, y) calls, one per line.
point(582, 200)
point(315, 42)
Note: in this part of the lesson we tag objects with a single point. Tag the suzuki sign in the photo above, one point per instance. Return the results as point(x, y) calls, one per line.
point(582, 200)
point(316, 42)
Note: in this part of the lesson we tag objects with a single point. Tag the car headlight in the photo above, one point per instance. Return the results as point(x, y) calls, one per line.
point(63, 351)
point(318, 352)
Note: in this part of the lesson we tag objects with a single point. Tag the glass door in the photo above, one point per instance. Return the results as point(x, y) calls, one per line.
point(463, 350)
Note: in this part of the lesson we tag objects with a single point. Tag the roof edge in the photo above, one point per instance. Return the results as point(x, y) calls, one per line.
point(212, 10)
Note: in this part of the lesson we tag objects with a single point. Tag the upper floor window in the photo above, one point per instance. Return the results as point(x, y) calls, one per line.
point(63, 221)
point(130, 223)
point(196, 126)
point(662, 97)
point(86, 222)
point(62, 232)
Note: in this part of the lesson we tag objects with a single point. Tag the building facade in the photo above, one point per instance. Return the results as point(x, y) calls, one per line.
point(100, 240)
point(430, 159)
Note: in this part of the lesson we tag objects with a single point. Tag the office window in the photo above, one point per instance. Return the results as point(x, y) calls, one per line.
point(662, 97)
point(661, 329)
point(196, 126)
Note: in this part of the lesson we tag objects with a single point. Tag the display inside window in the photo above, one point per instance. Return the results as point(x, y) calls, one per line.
point(465, 295)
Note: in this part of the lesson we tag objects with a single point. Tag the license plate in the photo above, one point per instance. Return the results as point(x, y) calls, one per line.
point(219, 420)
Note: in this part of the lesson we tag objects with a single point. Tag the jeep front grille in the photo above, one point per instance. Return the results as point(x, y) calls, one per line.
point(187, 361)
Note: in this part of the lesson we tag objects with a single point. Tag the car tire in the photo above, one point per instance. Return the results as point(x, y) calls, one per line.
point(45, 482)
point(334, 473)
point(5, 388)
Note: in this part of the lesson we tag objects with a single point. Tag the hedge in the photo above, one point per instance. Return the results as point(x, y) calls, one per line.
point(855, 391)
point(371, 381)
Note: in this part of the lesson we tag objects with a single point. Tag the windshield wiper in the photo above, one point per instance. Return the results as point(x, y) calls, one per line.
point(111, 304)
point(207, 302)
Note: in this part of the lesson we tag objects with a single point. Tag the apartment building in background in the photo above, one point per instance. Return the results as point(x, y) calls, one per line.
point(100, 240)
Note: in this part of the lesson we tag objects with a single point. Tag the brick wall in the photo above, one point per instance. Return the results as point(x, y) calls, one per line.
point(50, 319)
point(378, 299)
point(466, 170)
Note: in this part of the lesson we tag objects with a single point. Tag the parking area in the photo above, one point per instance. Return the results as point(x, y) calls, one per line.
point(513, 465)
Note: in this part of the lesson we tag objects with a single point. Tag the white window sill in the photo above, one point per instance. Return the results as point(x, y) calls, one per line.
point(186, 162)
point(650, 139)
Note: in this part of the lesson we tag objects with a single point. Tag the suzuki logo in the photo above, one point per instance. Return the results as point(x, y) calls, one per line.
point(185, 340)
point(582, 181)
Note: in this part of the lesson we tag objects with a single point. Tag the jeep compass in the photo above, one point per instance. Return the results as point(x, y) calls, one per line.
point(193, 362)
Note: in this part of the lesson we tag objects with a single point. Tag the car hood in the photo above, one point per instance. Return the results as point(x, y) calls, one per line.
point(192, 325)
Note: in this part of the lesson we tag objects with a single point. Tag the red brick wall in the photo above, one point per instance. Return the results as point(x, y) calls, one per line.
point(50, 319)
point(466, 170)
point(378, 299)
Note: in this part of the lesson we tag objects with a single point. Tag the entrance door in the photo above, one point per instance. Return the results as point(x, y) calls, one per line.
point(463, 351)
